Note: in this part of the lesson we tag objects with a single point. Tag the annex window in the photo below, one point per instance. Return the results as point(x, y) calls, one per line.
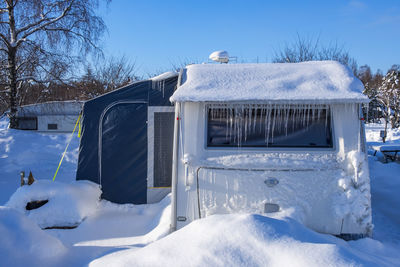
point(52, 126)
point(307, 126)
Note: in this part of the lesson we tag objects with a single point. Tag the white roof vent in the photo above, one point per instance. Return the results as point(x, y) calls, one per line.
point(220, 56)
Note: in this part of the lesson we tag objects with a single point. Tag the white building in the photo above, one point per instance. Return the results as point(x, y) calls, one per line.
point(57, 116)
point(281, 138)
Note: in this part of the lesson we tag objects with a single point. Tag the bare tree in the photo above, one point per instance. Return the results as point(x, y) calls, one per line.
point(109, 73)
point(309, 49)
point(39, 39)
point(116, 72)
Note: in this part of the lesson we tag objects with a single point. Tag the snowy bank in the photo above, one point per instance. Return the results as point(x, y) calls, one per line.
point(23, 243)
point(241, 240)
point(68, 204)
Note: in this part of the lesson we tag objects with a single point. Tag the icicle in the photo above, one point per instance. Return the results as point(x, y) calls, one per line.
point(287, 111)
point(245, 123)
point(226, 123)
point(313, 113)
point(267, 121)
point(326, 117)
point(273, 125)
point(319, 113)
point(261, 120)
point(231, 122)
point(255, 120)
point(294, 117)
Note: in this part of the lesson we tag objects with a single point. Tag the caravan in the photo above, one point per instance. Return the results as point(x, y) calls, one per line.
point(279, 138)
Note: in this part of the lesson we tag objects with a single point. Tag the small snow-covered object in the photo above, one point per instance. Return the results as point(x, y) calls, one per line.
point(220, 56)
point(68, 203)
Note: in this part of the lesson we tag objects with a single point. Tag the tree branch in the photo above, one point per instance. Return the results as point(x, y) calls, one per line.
point(37, 26)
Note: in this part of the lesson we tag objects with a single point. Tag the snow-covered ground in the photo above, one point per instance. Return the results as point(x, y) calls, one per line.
point(36, 152)
point(136, 235)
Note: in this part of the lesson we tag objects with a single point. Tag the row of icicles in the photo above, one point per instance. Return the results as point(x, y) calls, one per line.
point(243, 119)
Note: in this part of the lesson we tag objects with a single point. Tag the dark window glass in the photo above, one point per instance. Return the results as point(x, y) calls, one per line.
point(163, 145)
point(27, 123)
point(291, 126)
point(52, 126)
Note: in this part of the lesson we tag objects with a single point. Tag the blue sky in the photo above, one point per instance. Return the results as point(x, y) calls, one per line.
point(158, 34)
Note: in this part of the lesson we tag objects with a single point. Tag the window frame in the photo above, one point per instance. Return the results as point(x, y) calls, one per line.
point(151, 110)
point(206, 107)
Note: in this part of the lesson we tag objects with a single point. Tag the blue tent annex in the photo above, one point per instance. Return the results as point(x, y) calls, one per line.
point(127, 139)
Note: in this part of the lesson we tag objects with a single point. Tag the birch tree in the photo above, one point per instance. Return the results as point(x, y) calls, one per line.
point(389, 96)
point(40, 38)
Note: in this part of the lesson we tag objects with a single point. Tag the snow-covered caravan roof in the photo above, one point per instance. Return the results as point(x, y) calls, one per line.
point(319, 81)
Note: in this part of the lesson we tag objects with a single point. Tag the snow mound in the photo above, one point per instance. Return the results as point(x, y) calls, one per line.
point(240, 240)
point(124, 224)
point(326, 81)
point(69, 203)
point(23, 243)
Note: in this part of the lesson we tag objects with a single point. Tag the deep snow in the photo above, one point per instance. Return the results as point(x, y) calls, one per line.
point(325, 81)
point(132, 235)
point(36, 152)
point(244, 240)
point(23, 243)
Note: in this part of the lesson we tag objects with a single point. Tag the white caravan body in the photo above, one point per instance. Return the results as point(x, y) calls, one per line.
point(272, 138)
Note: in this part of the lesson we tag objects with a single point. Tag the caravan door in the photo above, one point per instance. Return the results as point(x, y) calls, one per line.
point(123, 152)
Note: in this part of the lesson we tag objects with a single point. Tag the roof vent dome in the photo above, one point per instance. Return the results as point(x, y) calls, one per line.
point(219, 56)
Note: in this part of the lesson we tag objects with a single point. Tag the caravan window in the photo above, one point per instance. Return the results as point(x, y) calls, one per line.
point(52, 126)
point(27, 123)
point(307, 126)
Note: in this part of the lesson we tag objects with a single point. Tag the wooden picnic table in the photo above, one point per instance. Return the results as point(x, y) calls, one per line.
point(391, 152)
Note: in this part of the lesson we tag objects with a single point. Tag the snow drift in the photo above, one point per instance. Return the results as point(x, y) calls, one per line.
point(240, 240)
point(23, 243)
point(68, 204)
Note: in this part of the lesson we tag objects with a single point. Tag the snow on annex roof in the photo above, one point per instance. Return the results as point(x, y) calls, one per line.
point(69, 107)
point(317, 81)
